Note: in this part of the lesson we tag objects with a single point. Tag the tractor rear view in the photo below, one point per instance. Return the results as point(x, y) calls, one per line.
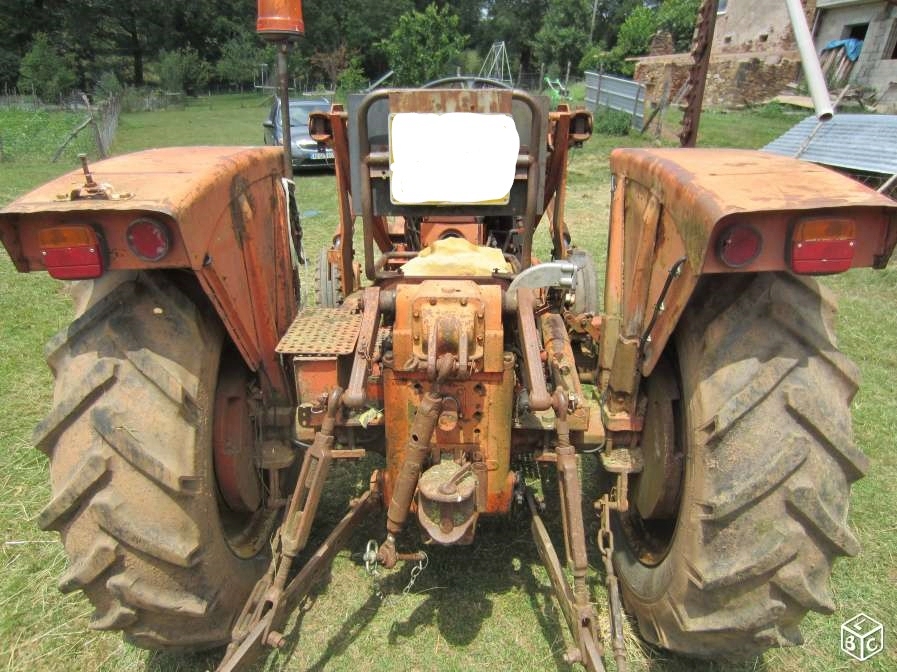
point(198, 407)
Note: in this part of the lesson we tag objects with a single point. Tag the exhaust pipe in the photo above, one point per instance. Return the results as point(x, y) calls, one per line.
point(810, 61)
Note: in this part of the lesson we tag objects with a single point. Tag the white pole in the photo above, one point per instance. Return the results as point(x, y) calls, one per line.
point(810, 61)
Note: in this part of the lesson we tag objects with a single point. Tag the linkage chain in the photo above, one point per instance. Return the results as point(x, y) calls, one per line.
point(415, 572)
point(371, 565)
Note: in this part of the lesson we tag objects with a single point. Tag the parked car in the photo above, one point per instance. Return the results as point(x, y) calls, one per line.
point(306, 152)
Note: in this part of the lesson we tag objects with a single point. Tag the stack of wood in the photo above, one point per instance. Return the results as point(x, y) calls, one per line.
point(836, 66)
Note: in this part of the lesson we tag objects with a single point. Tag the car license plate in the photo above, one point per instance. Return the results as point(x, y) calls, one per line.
point(320, 156)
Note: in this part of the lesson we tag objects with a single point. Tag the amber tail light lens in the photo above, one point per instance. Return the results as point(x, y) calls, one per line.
point(821, 246)
point(71, 252)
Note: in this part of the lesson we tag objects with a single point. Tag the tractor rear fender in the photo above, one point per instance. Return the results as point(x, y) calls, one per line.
point(223, 211)
point(677, 214)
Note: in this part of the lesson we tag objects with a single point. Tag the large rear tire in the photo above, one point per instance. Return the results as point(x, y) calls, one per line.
point(130, 446)
point(734, 564)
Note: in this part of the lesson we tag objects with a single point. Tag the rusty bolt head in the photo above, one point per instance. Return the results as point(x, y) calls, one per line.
point(463, 300)
point(432, 300)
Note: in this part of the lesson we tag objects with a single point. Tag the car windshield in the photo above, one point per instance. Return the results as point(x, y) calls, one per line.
point(299, 113)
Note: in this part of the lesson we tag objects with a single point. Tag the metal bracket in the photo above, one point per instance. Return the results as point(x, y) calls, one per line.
point(550, 274)
point(92, 190)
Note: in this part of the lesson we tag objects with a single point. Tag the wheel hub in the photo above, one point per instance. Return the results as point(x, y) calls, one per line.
point(656, 491)
point(234, 444)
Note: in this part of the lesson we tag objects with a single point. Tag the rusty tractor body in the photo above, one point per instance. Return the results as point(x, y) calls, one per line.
point(198, 407)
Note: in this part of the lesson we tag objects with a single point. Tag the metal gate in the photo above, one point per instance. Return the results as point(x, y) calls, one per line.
point(616, 93)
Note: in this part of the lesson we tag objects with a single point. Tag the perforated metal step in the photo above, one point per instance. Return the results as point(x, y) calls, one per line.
point(321, 332)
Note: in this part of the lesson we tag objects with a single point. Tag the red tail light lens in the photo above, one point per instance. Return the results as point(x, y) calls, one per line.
point(739, 245)
point(823, 246)
point(71, 252)
point(148, 239)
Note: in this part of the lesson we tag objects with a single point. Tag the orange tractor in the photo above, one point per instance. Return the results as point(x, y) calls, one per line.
point(198, 406)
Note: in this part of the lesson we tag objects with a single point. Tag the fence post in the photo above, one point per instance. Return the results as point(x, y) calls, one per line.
point(638, 93)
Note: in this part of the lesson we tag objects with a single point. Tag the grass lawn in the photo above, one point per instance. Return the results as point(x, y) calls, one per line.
point(485, 607)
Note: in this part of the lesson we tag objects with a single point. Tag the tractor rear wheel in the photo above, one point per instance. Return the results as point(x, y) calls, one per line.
point(755, 432)
point(135, 498)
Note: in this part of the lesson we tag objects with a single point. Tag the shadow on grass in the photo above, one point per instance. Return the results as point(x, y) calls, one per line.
point(459, 587)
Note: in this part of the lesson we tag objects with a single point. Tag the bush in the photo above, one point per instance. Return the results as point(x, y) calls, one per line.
point(109, 86)
point(143, 99)
point(183, 71)
point(601, 59)
point(351, 79)
point(612, 122)
point(46, 71)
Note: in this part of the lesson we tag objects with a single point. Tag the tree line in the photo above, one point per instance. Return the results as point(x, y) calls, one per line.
point(54, 46)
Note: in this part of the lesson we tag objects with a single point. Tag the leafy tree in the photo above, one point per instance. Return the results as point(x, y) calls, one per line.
point(351, 79)
point(679, 18)
point(183, 70)
point(45, 70)
point(423, 44)
point(633, 39)
point(9, 68)
point(365, 24)
point(513, 22)
point(135, 27)
point(609, 16)
point(564, 34)
point(332, 63)
point(239, 60)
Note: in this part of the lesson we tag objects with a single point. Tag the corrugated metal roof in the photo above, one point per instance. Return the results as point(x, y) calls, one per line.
point(866, 142)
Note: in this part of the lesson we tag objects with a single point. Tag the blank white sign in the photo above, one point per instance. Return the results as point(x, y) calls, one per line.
point(461, 158)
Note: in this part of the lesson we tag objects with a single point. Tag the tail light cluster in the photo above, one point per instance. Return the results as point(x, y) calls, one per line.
point(815, 246)
point(79, 251)
point(71, 252)
point(822, 245)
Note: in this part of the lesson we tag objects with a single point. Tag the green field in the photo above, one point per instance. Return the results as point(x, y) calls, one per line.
point(485, 607)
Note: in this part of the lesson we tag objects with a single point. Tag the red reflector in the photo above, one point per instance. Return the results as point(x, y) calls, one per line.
point(71, 252)
point(739, 245)
point(823, 246)
point(148, 239)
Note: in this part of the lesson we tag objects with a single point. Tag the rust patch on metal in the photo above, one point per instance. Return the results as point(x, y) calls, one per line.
point(241, 207)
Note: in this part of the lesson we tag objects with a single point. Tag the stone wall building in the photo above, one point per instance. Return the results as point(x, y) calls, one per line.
point(875, 24)
point(753, 57)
